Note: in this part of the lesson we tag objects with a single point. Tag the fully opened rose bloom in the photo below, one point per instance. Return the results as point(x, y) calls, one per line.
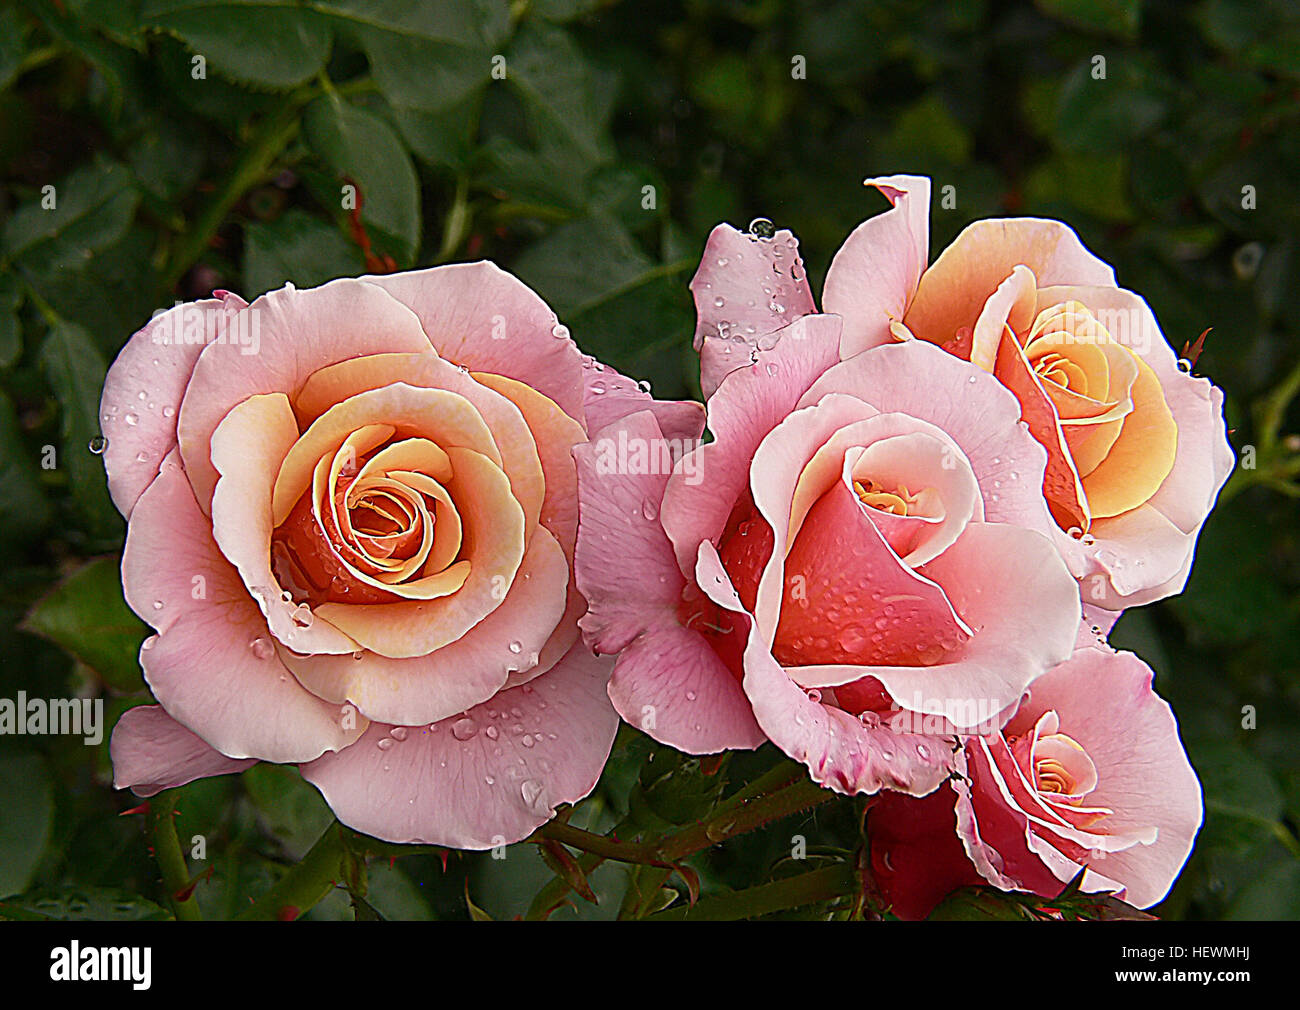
point(1137, 449)
point(862, 539)
point(351, 518)
point(1089, 772)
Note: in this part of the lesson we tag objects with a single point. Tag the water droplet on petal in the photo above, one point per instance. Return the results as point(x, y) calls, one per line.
point(98, 444)
point(534, 794)
point(261, 648)
point(464, 729)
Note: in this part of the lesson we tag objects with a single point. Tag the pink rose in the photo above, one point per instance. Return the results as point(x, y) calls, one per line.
point(1089, 772)
point(351, 519)
point(859, 560)
point(1137, 449)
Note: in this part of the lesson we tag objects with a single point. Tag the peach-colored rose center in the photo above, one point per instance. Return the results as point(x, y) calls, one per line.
point(897, 502)
point(1096, 406)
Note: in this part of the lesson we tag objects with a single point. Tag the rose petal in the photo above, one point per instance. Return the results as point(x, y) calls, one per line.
point(487, 778)
point(212, 666)
point(487, 320)
point(746, 288)
point(626, 568)
point(969, 406)
point(1025, 621)
point(953, 290)
point(143, 391)
point(876, 271)
point(461, 674)
point(298, 332)
point(247, 449)
point(749, 404)
point(151, 752)
point(515, 443)
point(916, 857)
point(839, 750)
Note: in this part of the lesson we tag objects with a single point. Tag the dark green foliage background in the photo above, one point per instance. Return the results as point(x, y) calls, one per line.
point(170, 186)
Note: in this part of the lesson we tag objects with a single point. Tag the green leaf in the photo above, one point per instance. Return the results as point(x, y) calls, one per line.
point(125, 269)
point(292, 809)
point(1273, 895)
point(299, 248)
point(361, 147)
point(1109, 114)
point(564, 10)
point(23, 507)
point(13, 44)
point(86, 615)
point(75, 370)
point(167, 159)
point(582, 263)
point(270, 43)
point(442, 136)
point(428, 55)
point(675, 788)
point(476, 914)
point(1113, 17)
point(980, 904)
point(391, 893)
point(11, 338)
point(1236, 783)
point(568, 100)
point(119, 18)
point(92, 208)
point(27, 799)
point(113, 63)
point(82, 904)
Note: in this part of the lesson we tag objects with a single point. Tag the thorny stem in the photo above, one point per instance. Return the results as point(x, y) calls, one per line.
point(171, 862)
point(306, 883)
point(730, 820)
point(805, 889)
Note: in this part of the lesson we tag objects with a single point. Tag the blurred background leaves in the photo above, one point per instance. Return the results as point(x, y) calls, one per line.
point(590, 146)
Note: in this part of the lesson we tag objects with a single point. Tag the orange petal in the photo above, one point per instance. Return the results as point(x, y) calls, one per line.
point(1141, 457)
point(494, 545)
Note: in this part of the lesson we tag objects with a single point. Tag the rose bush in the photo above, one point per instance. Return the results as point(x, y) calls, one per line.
point(1089, 772)
point(857, 563)
point(351, 520)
